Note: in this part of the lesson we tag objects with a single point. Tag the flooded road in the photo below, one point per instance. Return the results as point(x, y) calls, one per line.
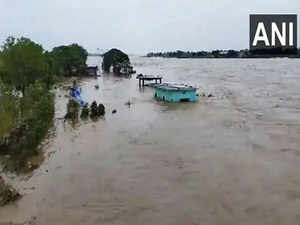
point(230, 159)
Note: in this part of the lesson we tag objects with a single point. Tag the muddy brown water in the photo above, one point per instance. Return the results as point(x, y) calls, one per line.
point(230, 159)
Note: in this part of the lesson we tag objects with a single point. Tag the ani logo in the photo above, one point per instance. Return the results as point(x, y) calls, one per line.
point(269, 32)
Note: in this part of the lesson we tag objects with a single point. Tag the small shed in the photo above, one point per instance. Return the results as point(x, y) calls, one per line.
point(124, 68)
point(92, 70)
point(175, 92)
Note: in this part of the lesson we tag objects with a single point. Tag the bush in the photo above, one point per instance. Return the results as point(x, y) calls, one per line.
point(72, 110)
point(8, 114)
point(94, 110)
point(37, 112)
point(101, 110)
point(85, 112)
point(97, 110)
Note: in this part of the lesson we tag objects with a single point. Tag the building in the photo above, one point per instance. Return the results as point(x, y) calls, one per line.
point(92, 71)
point(123, 69)
point(175, 93)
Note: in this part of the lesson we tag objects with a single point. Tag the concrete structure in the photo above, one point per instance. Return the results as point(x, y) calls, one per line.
point(92, 71)
point(175, 93)
point(142, 78)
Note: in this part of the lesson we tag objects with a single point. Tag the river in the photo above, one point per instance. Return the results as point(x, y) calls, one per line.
point(230, 159)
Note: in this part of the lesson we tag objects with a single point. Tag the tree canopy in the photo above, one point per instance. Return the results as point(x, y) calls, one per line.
point(22, 63)
point(25, 119)
point(67, 60)
point(114, 57)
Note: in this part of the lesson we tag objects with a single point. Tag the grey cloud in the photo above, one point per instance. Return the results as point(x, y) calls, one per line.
point(137, 26)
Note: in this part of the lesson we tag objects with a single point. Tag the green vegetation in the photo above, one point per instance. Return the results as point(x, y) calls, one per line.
point(97, 110)
point(68, 60)
point(200, 54)
point(35, 114)
point(23, 62)
point(72, 110)
point(229, 53)
point(27, 73)
point(101, 109)
point(114, 57)
point(85, 112)
point(94, 110)
point(8, 114)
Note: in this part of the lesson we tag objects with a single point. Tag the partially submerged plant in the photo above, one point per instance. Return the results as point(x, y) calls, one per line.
point(97, 111)
point(72, 110)
point(128, 103)
point(94, 109)
point(85, 112)
point(101, 110)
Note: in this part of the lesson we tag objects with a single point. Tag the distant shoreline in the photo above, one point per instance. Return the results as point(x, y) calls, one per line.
point(229, 54)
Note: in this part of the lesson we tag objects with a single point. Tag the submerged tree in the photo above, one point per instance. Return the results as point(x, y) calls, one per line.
point(101, 110)
point(85, 112)
point(97, 110)
point(72, 110)
point(113, 58)
point(68, 60)
point(94, 110)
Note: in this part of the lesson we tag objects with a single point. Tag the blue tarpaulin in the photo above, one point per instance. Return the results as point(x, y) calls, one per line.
point(76, 93)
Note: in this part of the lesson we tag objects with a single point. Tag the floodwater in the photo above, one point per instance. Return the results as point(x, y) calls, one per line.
point(230, 159)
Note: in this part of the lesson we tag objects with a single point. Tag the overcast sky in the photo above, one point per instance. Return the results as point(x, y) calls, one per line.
point(137, 26)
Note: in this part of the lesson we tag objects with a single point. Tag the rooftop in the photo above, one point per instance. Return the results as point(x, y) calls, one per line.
point(175, 87)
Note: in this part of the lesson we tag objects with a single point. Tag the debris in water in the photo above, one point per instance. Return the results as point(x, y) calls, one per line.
point(114, 111)
point(129, 103)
